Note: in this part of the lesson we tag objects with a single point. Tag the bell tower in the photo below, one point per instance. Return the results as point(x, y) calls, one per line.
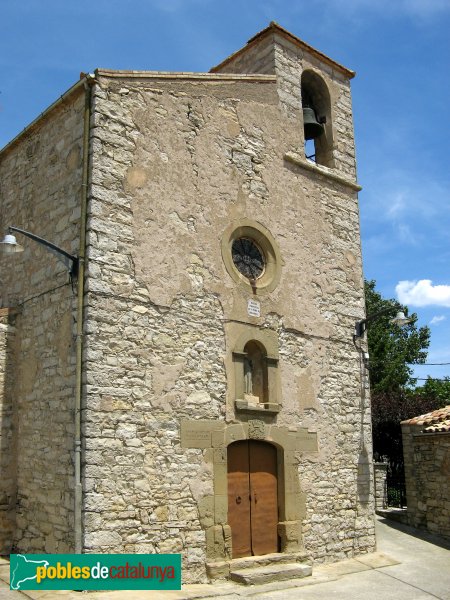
point(321, 283)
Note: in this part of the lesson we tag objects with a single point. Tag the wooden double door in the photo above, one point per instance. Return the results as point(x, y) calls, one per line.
point(253, 498)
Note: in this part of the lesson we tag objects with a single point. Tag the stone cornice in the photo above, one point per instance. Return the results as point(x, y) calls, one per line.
point(299, 161)
point(184, 75)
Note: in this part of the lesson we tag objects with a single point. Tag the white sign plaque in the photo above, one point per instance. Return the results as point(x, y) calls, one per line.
point(254, 308)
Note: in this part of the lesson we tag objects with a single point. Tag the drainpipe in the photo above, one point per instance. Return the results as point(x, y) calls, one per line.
point(89, 81)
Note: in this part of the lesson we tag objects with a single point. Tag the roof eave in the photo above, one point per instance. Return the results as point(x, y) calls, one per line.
point(72, 91)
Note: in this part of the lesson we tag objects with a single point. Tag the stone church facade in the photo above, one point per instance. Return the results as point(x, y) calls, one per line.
point(198, 391)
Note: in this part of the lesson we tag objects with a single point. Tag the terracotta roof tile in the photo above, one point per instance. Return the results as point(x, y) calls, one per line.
point(432, 422)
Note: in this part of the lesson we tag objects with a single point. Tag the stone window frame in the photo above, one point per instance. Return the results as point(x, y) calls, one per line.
point(268, 339)
point(247, 228)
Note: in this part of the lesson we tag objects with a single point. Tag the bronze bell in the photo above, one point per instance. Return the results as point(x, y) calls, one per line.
point(311, 125)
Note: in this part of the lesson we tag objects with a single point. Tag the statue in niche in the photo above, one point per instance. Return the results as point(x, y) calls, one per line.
point(249, 375)
point(257, 377)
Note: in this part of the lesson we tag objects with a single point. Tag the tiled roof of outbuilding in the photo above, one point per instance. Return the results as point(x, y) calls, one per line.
point(433, 422)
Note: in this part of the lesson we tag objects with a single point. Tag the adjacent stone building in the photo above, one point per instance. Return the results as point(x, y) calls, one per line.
point(426, 452)
point(196, 388)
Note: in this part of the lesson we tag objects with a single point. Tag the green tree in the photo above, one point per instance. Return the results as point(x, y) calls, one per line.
point(436, 390)
point(392, 348)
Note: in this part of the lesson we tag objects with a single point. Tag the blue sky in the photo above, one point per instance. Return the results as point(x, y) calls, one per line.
point(400, 50)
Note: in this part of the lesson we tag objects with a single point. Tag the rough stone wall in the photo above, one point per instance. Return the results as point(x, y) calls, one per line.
point(175, 161)
point(427, 476)
point(7, 437)
point(40, 177)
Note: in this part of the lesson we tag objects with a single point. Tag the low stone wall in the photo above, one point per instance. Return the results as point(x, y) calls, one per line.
point(427, 474)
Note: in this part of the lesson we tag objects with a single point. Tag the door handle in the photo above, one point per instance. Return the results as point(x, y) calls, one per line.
point(238, 499)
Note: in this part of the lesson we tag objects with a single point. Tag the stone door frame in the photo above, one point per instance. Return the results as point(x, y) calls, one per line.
point(214, 437)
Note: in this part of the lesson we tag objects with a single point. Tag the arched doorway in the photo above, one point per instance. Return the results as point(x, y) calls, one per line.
point(253, 498)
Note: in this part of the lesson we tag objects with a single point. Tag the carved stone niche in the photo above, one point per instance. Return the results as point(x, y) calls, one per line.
point(256, 373)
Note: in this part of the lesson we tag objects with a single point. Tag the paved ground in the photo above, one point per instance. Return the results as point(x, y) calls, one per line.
point(409, 565)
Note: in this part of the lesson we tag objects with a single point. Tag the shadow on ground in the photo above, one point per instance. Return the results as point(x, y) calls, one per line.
point(420, 534)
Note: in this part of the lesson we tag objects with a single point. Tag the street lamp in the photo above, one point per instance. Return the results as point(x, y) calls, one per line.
point(399, 319)
point(9, 245)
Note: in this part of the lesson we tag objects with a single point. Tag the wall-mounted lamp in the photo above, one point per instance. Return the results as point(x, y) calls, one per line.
point(9, 245)
point(399, 319)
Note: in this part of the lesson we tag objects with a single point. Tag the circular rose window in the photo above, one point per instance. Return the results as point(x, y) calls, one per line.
point(251, 256)
point(248, 258)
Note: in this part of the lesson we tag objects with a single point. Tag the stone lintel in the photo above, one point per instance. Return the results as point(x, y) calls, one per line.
point(236, 432)
point(218, 435)
point(198, 434)
point(307, 440)
point(301, 440)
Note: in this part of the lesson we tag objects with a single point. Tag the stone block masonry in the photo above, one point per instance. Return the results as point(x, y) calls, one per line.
point(8, 439)
point(188, 157)
point(40, 178)
point(427, 475)
point(380, 470)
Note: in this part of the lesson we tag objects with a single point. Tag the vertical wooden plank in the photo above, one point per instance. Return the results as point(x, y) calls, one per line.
point(264, 497)
point(239, 498)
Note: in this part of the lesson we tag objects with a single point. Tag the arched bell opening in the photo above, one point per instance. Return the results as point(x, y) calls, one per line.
point(317, 124)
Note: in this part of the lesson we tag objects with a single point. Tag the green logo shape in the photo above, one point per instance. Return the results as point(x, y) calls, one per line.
point(95, 572)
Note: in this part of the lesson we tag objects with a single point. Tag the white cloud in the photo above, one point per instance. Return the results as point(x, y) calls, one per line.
point(399, 195)
point(407, 206)
point(423, 293)
point(406, 234)
point(397, 204)
point(437, 319)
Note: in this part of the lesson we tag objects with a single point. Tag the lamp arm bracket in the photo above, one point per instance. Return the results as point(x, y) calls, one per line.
point(69, 260)
point(361, 326)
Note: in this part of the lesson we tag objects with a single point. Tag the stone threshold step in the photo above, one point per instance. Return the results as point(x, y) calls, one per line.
point(263, 560)
point(268, 573)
